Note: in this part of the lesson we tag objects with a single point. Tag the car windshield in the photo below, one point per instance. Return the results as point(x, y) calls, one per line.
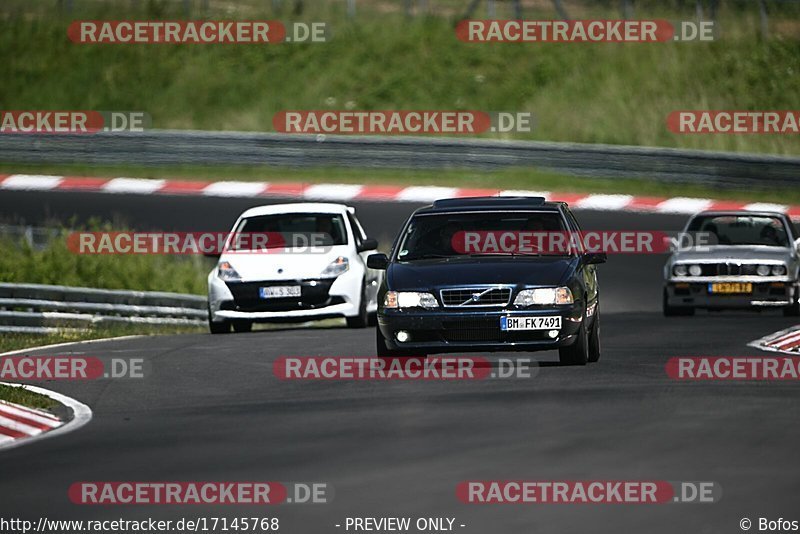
point(741, 230)
point(504, 233)
point(292, 230)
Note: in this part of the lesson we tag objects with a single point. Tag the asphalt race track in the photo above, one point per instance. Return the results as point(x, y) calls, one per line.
point(210, 408)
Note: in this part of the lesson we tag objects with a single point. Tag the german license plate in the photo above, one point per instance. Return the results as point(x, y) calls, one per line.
point(278, 292)
point(730, 287)
point(549, 322)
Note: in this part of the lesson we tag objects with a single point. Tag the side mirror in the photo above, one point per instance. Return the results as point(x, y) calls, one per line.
point(673, 243)
point(593, 258)
point(378, 261)
point(797, 245)
point(368, 244)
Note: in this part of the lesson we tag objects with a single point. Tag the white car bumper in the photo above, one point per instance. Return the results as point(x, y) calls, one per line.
point(344, 292)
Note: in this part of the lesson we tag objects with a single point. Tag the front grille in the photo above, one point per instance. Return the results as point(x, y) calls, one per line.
point(728, 269)
point(476, 296)
point(246, 296)
point(472, 330)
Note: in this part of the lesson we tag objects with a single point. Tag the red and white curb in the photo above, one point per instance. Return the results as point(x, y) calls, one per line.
point(18, 422)
point(384, 193)
point(20, 425)
point(786, 341)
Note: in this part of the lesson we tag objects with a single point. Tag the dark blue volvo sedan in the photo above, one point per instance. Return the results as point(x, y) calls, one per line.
point(489, 274)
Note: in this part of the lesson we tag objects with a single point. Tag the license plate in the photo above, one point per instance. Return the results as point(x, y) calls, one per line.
point(730, 287)
point(277, 292)
point(549, 322)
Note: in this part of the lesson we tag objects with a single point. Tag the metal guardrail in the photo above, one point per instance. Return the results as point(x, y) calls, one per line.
point(178, 147)
point(42, 309)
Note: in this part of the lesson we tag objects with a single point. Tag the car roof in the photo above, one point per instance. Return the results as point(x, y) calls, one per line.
point(297, 207)
point(751, 213)
point(477, 204)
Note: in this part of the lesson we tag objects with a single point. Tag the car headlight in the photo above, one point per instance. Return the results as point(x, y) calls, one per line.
point(778, 270)
point(544, 295)
point(336, 267)
point(227, 273)
point(409, 299)
point(680, 270)
point(763, 270)
point(695, 270)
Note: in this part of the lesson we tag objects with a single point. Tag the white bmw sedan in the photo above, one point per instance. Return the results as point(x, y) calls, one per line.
point(293, 262)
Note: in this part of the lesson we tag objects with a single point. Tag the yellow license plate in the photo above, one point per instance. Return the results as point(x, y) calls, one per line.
point(730, 287)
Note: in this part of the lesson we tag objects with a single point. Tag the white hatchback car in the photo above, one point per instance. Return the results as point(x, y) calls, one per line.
point(312, 267)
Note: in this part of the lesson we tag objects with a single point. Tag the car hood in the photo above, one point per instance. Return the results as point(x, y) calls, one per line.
point(733, 253)
point(429, 274)
point(282, 266)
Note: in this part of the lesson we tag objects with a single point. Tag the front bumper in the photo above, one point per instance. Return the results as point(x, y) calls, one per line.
point(696, 294)
point(446, 330)
point(319, 299)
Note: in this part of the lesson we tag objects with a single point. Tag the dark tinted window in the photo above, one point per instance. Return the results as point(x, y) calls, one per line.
point(432, 236)
point(319, 228)
point(741, 229)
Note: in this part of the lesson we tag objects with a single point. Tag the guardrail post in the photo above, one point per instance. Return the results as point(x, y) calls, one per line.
point(518, 9)
point(626, 9)
point(562, 12)
point(762, 13)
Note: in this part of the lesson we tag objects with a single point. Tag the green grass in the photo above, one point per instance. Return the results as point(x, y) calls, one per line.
point(22, 396)
point(596, 93)
point(511, 178)
point(56, 264)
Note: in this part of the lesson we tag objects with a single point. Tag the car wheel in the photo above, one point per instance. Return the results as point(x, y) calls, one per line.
point(674, 311)
point(242, 326)
point(380, 345)
point(361, 320)
point(793, 310)
point(594, 339)
point(578, 352)
point(218, 328)
point(372, 319)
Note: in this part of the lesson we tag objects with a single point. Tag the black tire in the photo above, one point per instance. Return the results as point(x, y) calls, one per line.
point(380, 345)
point(242, 326)
point(218, 328)
point(793, 310)
point(594, 339)
point(674, 311)
point(372, 319)
point(578, 352)
point(362, 319)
